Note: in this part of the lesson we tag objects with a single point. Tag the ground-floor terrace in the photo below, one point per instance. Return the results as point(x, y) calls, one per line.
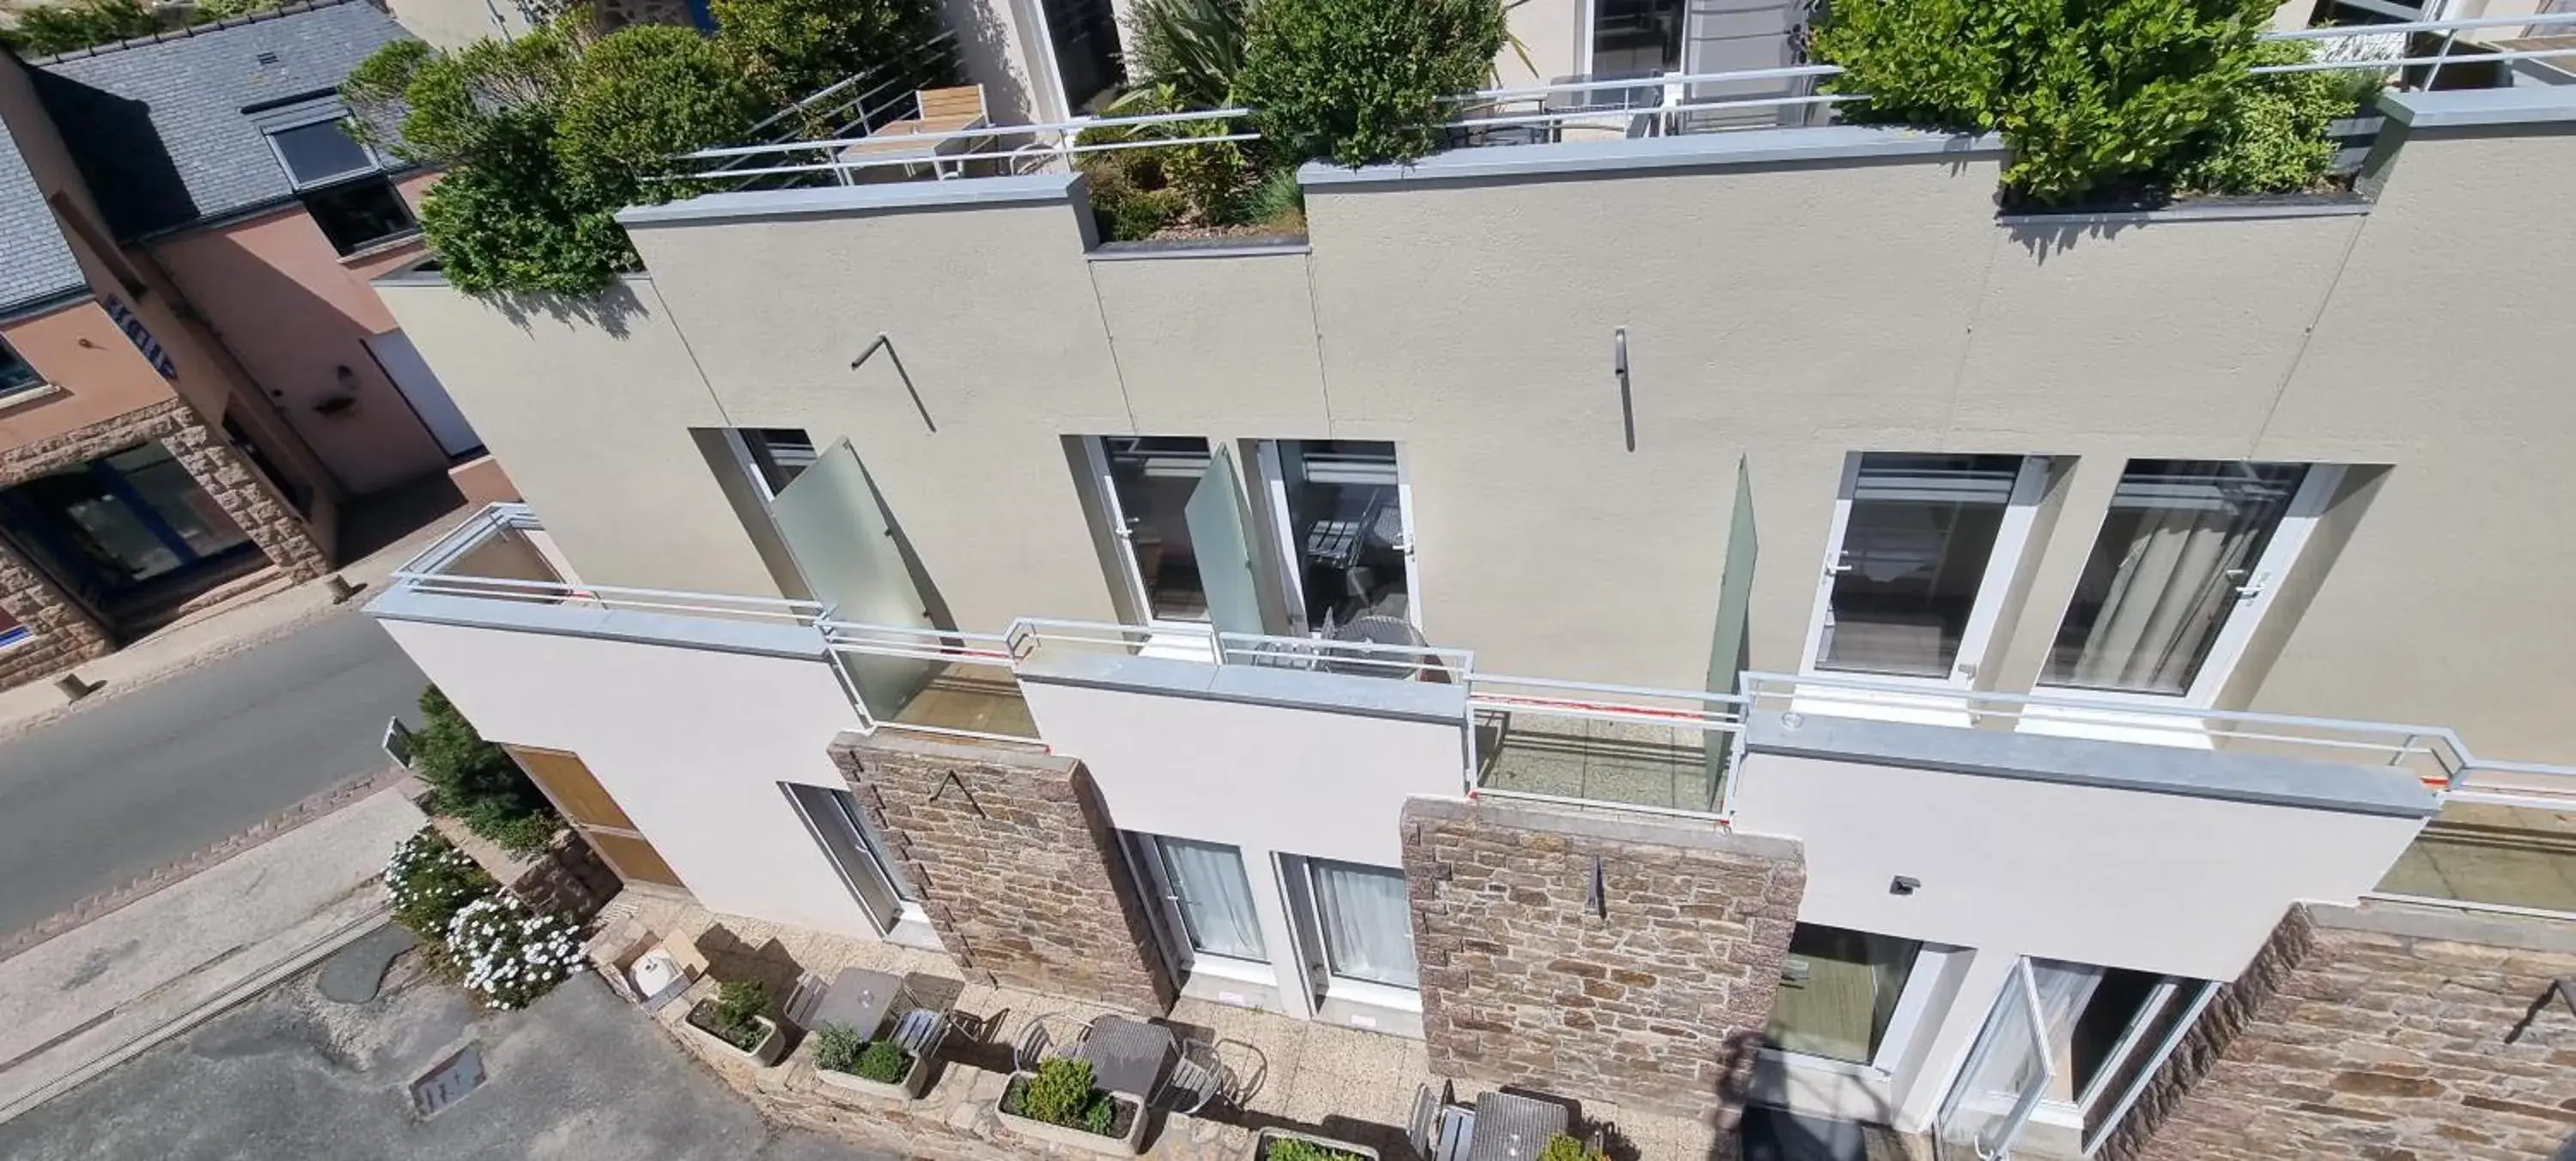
point(1671, 904)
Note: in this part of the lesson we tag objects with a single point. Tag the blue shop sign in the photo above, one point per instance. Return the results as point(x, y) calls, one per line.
point(142, 338)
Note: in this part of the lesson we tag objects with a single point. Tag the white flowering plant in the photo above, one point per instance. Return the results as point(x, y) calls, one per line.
point(430, 881)
point(510, 955)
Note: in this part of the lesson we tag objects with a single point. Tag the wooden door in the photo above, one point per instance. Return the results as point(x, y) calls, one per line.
point(593, 812)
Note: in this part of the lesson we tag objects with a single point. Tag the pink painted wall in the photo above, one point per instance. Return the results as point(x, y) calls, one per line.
point(295, 312)
point(91, 369)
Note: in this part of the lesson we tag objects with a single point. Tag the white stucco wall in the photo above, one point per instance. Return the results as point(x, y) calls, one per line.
point(691, 742)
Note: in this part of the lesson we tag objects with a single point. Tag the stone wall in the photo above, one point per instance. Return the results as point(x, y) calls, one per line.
point(1017, 864)
point(2374, 1034)
point(1652, 991)
point(59, 634)
point(569, 879)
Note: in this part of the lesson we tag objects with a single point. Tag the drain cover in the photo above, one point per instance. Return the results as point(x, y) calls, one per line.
point(448, 1083)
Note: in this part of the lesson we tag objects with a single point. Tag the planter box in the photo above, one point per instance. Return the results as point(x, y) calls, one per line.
point(1262, 1140)
point(1030, 1129)
point(915, 1079)
point(773, 1042)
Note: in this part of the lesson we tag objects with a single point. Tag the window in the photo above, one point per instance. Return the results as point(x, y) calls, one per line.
point(360, 214)
point(1839, 993)
point(1366, 918)
point(774, 456)
point(15, 373)
point(1150, 480)
point(1636, 37)
point(1207, 896)
point(319, 153)
point(1915, 568)
point(2182, 553)
point(857, 852)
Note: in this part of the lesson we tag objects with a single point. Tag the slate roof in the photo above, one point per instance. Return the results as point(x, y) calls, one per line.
point(36, 264)
point(157, 123)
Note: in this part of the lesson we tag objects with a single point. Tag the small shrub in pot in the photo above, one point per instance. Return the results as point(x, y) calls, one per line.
point(734, 1017)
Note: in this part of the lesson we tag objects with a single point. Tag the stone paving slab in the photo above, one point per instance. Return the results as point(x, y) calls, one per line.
point(98, 993)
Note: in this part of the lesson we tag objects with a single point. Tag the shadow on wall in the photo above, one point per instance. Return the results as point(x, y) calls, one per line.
point(1771, 1134)
point(610, 310)
point(137, 187)
point(984, 42)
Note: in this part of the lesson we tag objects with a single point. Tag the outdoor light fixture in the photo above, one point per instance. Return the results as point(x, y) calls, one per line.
point(1904, 885)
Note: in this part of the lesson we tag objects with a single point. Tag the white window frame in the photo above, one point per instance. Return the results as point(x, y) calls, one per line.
point(2281, 553)
point(1354, 988)
point(1095, 449)
point(376, 161)
point(1145, 856)
point(1292, 568)
point(1913, 1005)
point(2012, 537)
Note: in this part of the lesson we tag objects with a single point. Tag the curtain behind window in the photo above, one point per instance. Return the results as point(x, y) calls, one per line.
point(2180, 538)
point(1215, 900)
point(1368, 923)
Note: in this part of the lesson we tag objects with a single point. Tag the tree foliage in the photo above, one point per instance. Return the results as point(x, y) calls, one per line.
point(46, 29)
point(1189, 50)
point(790, 48)
point(2095, 97)
point(1359, 81)
point(476, 781)
point(2272, 136)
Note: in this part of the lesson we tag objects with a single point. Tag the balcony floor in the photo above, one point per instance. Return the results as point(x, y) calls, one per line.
point(1604, 761)
point(982, 698)
point(2492, 854)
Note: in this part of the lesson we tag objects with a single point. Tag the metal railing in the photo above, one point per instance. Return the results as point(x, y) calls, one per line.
point(1631, 747)
point(429, 573)
point(856, 105)
point(931, 681)
point(1049, 142)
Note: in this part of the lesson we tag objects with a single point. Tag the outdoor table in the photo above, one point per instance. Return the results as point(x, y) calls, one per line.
point(1126, 1055)
point(1513, 1128)
point(859, 998)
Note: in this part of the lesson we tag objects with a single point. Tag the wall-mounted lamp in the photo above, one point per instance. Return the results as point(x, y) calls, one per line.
point(1904, 885)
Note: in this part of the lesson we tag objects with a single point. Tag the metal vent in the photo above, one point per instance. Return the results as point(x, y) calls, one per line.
point(267, 59)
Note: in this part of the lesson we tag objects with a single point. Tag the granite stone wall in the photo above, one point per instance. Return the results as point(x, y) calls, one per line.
point(2374, 1035)
point(1603, 958)
point(1017, 864)
point(59, 635)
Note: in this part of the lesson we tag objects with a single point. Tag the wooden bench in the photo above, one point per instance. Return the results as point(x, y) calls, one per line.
point(951, 110)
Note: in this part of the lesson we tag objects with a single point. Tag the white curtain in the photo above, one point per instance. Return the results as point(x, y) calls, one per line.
point(1215, 900)
point(2178, 543)
point(1368, 923)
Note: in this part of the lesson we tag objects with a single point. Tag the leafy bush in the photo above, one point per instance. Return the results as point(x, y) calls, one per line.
point(840, 1048)
point(430, 881)
point(2095, 97)
point(1563, 1147)
point(735, 1015)
point(1277, 202)
point(509, 954)
point(475, 781)
point(884, 1062)
point(2272, 136)
point(642, 95)
point(46, 29)
point(227, 9)
point(1359, 81)
point(1189, 49)
point(787, 49)
point(1060, 1093)
point(1293, 1149)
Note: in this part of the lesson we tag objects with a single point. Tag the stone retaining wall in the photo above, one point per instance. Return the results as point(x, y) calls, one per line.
point(569, 879)
point(1017, 864)
point(2374, 1035)
point(1630, 961)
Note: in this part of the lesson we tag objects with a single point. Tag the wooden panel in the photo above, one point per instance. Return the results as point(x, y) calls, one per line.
point(962, 101)
point(634, 859)
point(575, 791)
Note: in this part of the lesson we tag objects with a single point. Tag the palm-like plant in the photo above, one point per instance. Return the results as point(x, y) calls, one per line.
point(1189, 49)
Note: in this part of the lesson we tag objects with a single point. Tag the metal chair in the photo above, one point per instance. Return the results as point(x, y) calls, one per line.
point(1440, 1129)
point(1198, 1080)
point(920, 1032)
point(1040, 1042)
point(800, 1005)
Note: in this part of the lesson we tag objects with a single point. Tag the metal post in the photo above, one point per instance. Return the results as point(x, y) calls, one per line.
point(2450, 36)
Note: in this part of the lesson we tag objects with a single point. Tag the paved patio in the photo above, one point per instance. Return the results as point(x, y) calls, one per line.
point(1338, 1082)
point(2492, 854)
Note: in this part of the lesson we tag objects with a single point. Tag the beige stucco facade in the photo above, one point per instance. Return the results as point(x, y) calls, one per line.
point(1787, 299)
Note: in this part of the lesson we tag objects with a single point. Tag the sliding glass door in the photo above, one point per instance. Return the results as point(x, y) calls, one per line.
point(2185, 566)
point(1206, 899)
point(1921, 552)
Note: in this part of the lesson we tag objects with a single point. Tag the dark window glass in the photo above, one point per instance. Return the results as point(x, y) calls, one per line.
point(15, 374)
point(359, 214)
point(319, 153)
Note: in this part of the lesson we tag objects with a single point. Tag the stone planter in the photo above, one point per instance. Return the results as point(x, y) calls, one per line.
point(773, 1042)
point(1262, 1141)
point(915, 1079)
point(1037, 1132)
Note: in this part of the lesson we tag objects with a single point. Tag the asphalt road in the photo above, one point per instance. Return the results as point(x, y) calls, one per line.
point(97, 798)
point(291, 1076)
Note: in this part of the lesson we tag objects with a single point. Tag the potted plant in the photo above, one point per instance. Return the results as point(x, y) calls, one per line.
point(877, 1068)
point(733, 1021)
point(1565, 1147)
point(1290, 1145)
point(1056, 1105)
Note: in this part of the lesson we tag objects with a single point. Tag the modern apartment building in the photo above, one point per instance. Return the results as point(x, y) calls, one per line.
point(1684, 620)
point(197, 376)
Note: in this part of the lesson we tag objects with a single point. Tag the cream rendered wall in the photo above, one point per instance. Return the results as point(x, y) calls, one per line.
point(2442, 353)
point(992, 313)
point(1255, 368)
point(692, 743)
point(591, 413)
point(1555, 37)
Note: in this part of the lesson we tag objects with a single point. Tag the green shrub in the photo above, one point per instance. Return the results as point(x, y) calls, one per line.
point(1293, 1149)
point(837, 1047)
point(1359, 81)
point(1101, 1117)
point(787, 49)
point(1059, 1093)
point(2272, 136)
point(1563, 1147)
point(735, 1015)
point(473, 780)
point(430, 881)
point(227, 9)
point(46, 29)
point(641, 96)
point(2095, 97)
point(1190, 49)
point(1277, 202)
point(884, 1062)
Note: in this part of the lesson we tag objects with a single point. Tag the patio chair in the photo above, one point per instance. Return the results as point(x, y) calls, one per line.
point(808, 994)
point(1046, 1038)
point(1198, 1080)
point(921, 1031)
point(1440, 1128)
point(947, 110)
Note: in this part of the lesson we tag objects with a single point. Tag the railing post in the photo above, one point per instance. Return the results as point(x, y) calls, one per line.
point(2450, 36)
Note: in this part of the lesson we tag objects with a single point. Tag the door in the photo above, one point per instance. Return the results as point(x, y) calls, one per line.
point(858, 853)
point(401, 362)
point(835, 529)
point(587, 805)
point(1342, 513)
point(1921, 553)
point(1204, 900)
point(2008, 1073)
point(1214, 514)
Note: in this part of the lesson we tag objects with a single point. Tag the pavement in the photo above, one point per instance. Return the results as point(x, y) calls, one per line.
point(87, 999)
point(578, 1076)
